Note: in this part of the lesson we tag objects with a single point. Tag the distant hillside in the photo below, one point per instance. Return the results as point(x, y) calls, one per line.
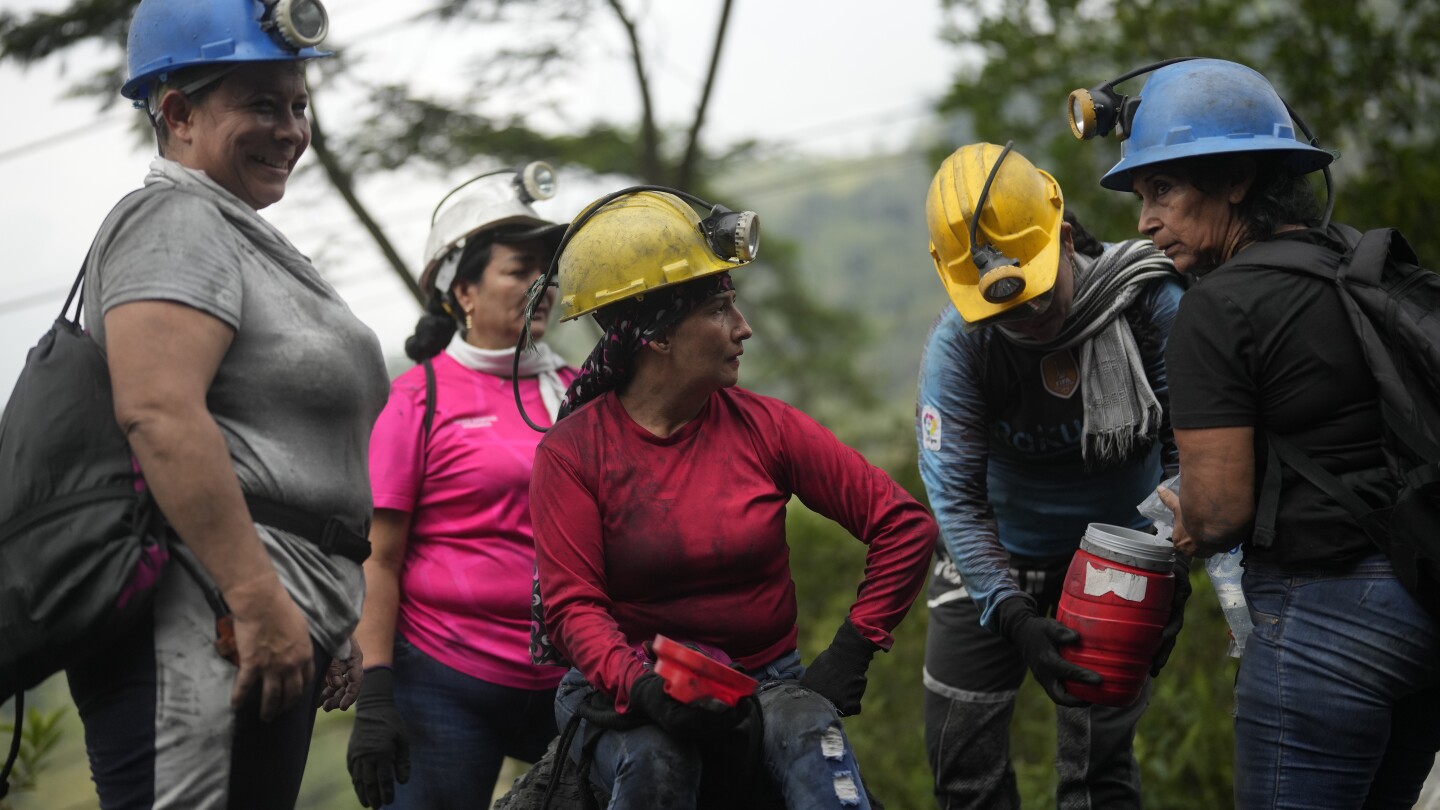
point(860, 228)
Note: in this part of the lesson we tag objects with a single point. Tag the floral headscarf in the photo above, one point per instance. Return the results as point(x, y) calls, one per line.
point(629, 326)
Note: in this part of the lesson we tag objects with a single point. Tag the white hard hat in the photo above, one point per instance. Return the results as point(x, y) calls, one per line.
point(497, 199)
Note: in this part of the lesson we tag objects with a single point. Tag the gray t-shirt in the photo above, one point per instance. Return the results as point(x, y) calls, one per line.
point(301, 384)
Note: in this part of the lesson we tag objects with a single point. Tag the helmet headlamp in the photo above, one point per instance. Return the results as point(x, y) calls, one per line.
point(1206, 107)
point(1091, 112)
point(498, 202)
point(732, 235)
point(298, 23)
point(1001, 278)
point(535, 182)
point(1100, 110)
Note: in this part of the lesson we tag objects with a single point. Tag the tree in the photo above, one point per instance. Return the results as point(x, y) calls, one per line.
point(1364, 75)
point(405, 127)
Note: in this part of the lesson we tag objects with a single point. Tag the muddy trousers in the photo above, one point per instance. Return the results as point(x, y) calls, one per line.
point(806, 752)
point(159, 729)
point(971, 679)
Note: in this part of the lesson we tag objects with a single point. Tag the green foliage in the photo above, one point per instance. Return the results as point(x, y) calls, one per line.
point(41, 734)
point(45, 33)
point(1365, 77)
point(803, 348)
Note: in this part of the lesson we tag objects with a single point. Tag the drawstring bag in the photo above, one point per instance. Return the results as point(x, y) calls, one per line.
point(82, 543)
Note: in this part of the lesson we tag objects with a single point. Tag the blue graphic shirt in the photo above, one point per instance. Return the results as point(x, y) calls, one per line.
point(999, 427)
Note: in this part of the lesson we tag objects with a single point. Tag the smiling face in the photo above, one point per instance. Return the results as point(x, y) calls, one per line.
point(496, 302)
point(1197, 229)
point(246, 133)
point(705, 347)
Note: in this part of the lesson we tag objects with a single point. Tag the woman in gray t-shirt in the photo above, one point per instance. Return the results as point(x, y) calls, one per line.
point(241, 379)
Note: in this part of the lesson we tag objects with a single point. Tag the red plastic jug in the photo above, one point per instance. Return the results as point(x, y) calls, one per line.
point(1117, 596)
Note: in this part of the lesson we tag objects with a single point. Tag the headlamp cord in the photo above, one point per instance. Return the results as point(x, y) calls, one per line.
point(1006, 281)
point(537, 289)
point(984, 197)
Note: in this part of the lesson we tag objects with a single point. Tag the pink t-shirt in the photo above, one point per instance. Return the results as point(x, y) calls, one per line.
point(465, 584)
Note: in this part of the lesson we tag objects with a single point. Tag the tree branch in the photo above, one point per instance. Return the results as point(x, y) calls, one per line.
point(685, 172)
point(345, 184)
point(649, 136)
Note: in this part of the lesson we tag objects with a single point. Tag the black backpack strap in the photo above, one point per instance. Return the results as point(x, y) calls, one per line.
point(329, 534)
point(14, 744)
point(429, 420)
point(1320, 477)
point(1411, 437)
point(1305, 258)
point(1368, 259)
point(1267, 507)
point(1373, 250)
point(1301, 258)
point(77, 293)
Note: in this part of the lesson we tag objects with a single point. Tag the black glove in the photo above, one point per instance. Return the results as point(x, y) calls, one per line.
point(379, 753)
point(838, 672)
point(1177, 615)
point(688, 721)
point(1039, 639)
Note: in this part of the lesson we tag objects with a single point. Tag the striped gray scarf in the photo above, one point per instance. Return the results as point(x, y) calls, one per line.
point(1122, 414)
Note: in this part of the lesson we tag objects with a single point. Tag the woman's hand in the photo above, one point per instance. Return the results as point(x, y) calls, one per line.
point(343, 679)
point(273, 639)
point(1184, 543)
point(687, 721)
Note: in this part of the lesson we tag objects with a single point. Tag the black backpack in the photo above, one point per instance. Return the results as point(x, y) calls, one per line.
point(1393, 306)
point(82, 542)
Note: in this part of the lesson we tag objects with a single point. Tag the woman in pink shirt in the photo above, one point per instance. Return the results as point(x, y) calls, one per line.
point(449, 688)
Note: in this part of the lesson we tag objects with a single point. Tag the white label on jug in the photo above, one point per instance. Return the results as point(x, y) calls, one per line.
point(1127, 586)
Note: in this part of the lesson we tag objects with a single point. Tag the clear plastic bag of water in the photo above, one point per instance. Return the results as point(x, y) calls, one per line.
point(1224, 570)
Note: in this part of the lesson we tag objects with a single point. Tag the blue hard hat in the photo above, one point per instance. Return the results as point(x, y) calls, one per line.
point(1209, 107)
point(170, 35)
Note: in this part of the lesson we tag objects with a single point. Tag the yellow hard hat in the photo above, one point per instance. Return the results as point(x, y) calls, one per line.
point(642, 241)
point(1020, 218)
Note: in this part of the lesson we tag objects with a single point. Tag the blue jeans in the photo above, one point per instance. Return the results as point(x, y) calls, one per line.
point(1338, 696)
point(461, 729)
point(806, 752)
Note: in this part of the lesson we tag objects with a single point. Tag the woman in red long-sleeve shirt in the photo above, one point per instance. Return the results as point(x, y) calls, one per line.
point(658, 502)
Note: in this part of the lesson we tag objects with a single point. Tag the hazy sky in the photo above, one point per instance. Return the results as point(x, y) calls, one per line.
point(832, 77)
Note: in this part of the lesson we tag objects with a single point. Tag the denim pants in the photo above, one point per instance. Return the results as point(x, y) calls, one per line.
point(461, 729)
point(971, 679)
point(1338, 696)
point(806, 752)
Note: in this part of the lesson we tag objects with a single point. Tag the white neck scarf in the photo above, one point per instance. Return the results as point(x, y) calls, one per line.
point(538, 361)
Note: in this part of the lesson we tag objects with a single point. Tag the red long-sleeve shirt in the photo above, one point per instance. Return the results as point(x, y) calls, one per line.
point(637, 535)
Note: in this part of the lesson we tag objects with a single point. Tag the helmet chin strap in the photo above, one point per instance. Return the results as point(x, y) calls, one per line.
point(200, 78)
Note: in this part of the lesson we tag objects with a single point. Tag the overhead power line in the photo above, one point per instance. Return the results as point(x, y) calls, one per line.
point(55, 296)
point(59, 138)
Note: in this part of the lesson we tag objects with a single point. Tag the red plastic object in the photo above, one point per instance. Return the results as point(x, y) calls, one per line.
point(691, 675)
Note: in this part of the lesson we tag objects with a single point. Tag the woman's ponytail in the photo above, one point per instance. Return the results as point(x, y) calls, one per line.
point(432, 332)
